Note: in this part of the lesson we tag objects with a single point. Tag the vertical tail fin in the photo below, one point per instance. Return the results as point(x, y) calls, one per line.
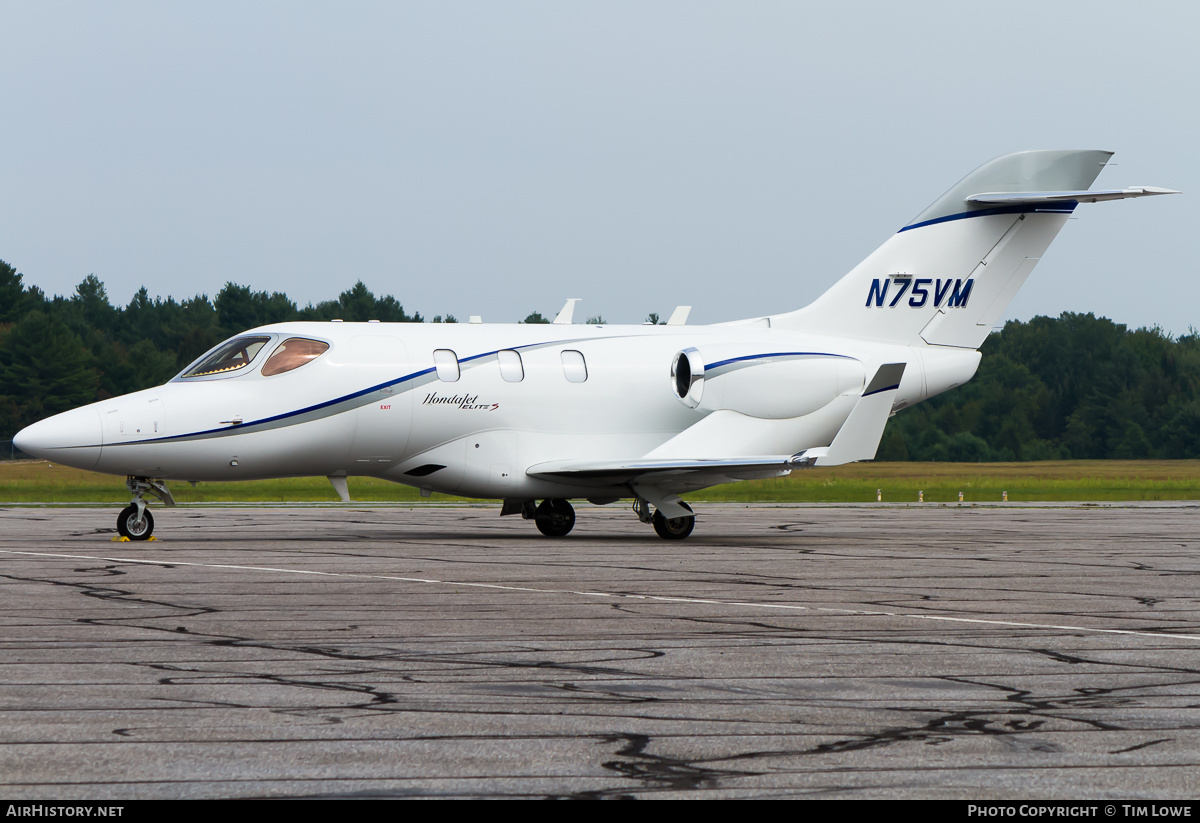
point(947, 277)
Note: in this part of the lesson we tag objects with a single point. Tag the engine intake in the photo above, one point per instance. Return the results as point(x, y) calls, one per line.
point(687, 377)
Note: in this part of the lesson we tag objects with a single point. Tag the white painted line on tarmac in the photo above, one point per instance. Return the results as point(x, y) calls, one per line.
point(619, 595)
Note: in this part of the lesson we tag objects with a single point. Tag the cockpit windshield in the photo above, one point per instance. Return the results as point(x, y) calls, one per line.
point(292, 354)
point(229, 357)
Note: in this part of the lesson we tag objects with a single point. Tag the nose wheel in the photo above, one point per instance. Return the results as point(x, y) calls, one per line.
point(135, 521)
point(555, 518)
point(133, 525)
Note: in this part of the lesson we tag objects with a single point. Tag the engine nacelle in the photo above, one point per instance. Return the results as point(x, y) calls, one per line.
point(771, 386)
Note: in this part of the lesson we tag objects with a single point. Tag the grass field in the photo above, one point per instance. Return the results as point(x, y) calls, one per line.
point(32, 481)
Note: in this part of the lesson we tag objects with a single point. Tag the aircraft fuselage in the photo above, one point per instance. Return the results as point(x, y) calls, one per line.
point(374, 404)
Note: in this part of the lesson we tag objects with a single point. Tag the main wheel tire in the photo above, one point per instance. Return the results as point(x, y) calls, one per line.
point(129, 525)
point(555, 518)
point(676, 528)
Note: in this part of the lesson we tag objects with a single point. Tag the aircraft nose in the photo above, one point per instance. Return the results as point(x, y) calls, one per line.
point(72, 438)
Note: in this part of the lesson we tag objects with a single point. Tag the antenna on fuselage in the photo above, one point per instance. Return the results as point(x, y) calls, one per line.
point(679, 316)
point(567, 312)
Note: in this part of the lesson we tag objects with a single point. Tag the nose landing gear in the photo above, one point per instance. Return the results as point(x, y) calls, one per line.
point(135, 524)
point(135, 521)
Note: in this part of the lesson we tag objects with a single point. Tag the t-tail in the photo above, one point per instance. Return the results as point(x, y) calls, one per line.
point(947, 277)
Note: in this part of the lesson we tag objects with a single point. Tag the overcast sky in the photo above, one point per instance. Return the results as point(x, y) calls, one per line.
point(496, 158)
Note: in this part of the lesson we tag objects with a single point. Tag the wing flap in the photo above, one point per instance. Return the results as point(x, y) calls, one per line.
point(624, 471)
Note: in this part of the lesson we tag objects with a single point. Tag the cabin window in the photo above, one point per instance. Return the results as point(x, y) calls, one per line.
point(574, 366)
point(446, 362)
point(511, 368)
point(292, 354)
point(230, 356)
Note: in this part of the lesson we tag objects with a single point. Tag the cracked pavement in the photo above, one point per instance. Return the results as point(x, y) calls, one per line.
point(858, 652)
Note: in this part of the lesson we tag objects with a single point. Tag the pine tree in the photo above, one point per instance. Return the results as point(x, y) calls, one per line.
point(45, 368)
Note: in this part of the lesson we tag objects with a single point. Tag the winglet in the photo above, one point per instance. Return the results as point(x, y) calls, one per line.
point(859, 436)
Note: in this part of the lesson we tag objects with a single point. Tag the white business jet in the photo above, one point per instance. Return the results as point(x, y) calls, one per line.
point(528, 413)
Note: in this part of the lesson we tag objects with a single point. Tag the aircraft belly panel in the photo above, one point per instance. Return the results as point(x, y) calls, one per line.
point(488, 464)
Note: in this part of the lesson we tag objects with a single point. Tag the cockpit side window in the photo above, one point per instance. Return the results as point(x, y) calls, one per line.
point(230, 356)
point(292, 354)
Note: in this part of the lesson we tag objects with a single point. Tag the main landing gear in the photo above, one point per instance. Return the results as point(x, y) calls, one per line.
point(556, 517)
point(668, 528)
point(675, 528)
point(135, 521)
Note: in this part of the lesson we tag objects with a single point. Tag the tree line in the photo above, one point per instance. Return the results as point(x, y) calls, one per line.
point(1076, 386)
point(1072, 387)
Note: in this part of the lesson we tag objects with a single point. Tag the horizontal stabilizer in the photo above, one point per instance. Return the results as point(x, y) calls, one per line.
point(859, 436)
point(1033, 198)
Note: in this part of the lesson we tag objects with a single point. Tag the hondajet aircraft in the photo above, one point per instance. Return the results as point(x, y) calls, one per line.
point(528, 413)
